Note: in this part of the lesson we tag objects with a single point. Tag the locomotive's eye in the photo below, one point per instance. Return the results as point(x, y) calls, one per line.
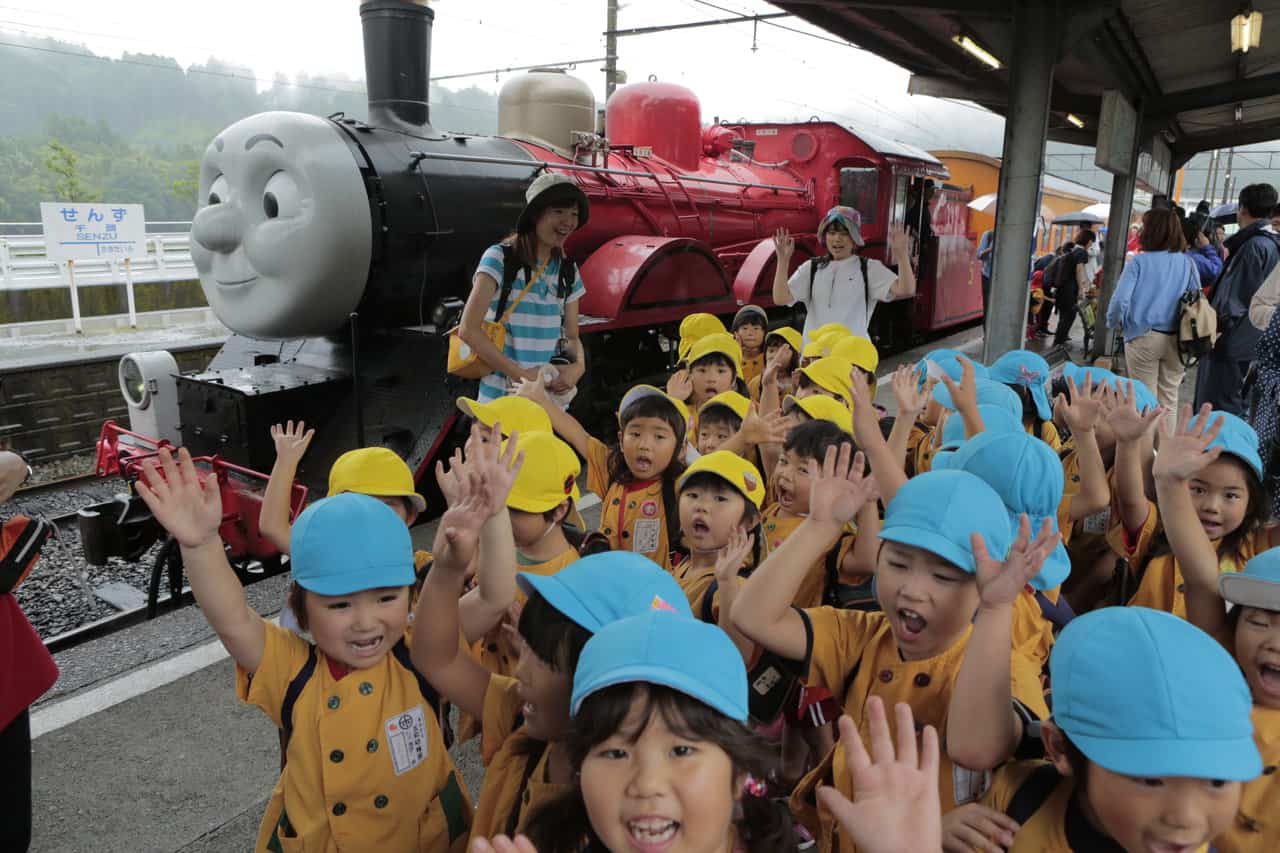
point(280, 197)
point(218, 190)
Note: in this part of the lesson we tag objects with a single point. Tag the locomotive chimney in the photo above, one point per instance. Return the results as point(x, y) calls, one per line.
point(397, 61)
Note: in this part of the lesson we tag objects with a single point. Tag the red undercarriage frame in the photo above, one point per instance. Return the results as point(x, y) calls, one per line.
point(123, 452)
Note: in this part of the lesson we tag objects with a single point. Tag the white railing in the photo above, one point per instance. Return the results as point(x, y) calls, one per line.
point(25, 265)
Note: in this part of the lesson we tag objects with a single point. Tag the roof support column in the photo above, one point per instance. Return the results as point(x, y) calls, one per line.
point(1037, 29)
point(1122, 187)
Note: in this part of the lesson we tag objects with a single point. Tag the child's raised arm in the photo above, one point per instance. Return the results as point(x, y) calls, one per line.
point(964, 395)
point(885, 467)
point(564, 424)
point(436, 649)
point(1133, 452)
point(1081, 413)
point(912, 399)
point(1183, 454)
point(731, 559)
point(192, 513)
point(484, 606)
point(982, 728)
point(762, 610)
point(273, 518)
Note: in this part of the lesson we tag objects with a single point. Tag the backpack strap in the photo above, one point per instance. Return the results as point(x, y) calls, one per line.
point(1058, 614)
point(401, 653)
point(568, 277)
point(22, 552)
point(832, 567)
point(866, 285)
point(291, 694)
point(706, 615)
point(1032, 793)
point(536, 751)
point(510, 269)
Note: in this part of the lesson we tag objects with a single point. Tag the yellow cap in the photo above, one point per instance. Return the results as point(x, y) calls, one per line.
point(832, 374)
point(639, 392)
point(374, 471)
point(719, 342)
point(515, 414)
point(821, 408)
point(731, 468)
point(548, 477)
point(858, 351)
point(815, 349)
point(788, 334)
point(827, 328)
point(731, 400)
point(695, 327)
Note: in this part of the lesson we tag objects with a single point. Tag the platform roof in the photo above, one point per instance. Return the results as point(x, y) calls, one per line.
point(1173, 56)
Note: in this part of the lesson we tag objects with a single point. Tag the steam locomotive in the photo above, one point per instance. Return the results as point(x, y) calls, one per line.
point(339, 251)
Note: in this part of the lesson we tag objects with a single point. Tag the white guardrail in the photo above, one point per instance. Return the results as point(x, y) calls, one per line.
point(25, 265)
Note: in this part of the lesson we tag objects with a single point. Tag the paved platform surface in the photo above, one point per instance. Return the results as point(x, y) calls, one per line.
point(184, 330)
point(142, 745)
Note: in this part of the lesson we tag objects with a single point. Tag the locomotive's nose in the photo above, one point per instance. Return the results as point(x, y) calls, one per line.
point(217, 228)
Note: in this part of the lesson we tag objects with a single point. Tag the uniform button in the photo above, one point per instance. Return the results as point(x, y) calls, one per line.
point(608, 531)
point(922, 680)
point(334, 702)
point(526, 798)
point(886, 676)
point(336, 756)
point(626, 534)
point(631, 504)
point(617, 501)
point(339, 809)
point(372, 745)
point(380, 801)
point(1182, 587)
point(1268, 770)
point(365, 688)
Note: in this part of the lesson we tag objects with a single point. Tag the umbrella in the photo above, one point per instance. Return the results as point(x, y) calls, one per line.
point(1080, 217)
point(1225, 213)
point(986, 203)
point(1103, 209)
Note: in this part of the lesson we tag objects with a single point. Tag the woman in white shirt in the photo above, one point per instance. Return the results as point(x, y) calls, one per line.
point(842, 287)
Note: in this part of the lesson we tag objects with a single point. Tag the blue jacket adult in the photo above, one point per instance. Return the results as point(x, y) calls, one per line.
point(1146, 297)
point(1253, 253)
point(1208, 263)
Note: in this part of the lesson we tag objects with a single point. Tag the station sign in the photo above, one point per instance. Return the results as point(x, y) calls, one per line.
point(79, 231)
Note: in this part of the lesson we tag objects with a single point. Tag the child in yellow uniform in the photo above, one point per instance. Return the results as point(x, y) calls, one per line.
point(862, 354)
point(637, 477)
point(929, 371)
point(911, 651)
point(693, 328)
point(511, 413)
point(1228, 496)
point(525, 718)
point(367, 765)
point(1250, 632)
point(1027, 373)
point(1148, 746)
point(781, 361)
point(719, 418)
point(828, 376)
point(714, 366)
point(749, 327)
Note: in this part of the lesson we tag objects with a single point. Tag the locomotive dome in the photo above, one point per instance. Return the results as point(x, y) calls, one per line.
point(545, 107)
point(663, 116)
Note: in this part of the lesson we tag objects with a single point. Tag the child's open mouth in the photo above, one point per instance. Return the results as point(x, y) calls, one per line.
point(650, 833)
point(1269, 678)
point(786, 497)
point(642, 464)
point(365, 648)
point(699, 527)
point(910, 624)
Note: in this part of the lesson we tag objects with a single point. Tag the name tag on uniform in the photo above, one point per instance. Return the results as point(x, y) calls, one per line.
point(968, 784)
point(407, 739)
point(1098, 523)
point(646, 535)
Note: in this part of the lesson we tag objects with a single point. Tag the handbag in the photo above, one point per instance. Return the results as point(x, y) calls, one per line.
point(463, 361)
point(1197, 323)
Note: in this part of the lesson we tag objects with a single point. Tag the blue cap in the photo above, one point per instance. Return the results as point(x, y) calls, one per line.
point(989, 392)
point(1031, 371)
point(667, 649)
point(994, 419)
point(1258, 585)
point(1239, 439)
point(950, 362)
point(1078, 373)
point(604, 588)
point(1027, 475)
point(1144, 693)
point(348, 543)
point(938, 511)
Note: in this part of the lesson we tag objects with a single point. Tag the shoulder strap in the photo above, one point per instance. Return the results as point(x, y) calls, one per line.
point(706, 615)
point(401, 653)
point(23, 550)
point(1058, 614)
point(291, 695)
point(510, 269)
point(1032, 793)
point(866, 282)
point(536, 750)
point(568, 275)
point(832, 565)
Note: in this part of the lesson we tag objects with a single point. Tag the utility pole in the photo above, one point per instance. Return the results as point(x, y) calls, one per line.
point(611, 48)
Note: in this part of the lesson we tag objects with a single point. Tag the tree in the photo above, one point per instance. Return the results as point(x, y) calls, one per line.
point(185, 188)
point(63, 166)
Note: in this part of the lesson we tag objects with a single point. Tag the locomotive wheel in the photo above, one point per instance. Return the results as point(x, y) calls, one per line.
point(168, 563)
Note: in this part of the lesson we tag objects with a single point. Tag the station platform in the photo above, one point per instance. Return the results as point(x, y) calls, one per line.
point(143, 746)
point(24, 346)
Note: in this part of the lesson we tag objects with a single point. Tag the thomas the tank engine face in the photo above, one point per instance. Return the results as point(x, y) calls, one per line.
point(282, 236)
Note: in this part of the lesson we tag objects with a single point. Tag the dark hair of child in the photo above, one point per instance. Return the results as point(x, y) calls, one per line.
point(720, 416)
point(555, 638)
point(1256, 514)
point(1030, 415)
point(751, 319)
point(750, 515)
point(719, 359)
point(562, 825)
point(660, 408)
point(811, 439)
point(795, 356)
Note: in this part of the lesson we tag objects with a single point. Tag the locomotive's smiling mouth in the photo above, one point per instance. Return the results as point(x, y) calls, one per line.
point(237, 283)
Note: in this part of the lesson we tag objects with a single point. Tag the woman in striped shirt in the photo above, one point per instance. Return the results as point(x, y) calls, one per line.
point(543, 319)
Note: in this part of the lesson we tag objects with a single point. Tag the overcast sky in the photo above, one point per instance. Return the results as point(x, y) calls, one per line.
point(790, 75)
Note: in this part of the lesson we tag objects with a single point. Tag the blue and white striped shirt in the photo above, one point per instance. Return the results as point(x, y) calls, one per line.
point(534, 327)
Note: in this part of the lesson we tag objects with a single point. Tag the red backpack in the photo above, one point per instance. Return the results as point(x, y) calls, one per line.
point(21, 539)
